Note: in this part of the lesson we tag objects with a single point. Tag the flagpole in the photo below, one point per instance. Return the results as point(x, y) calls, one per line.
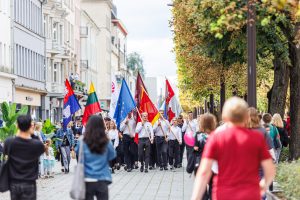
point(170, 129)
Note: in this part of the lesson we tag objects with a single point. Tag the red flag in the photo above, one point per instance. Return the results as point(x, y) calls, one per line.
point(169, 92)
point(172, 106)
point(146, 105)
point(138, 90)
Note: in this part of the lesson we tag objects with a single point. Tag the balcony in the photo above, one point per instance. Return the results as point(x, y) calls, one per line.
point(53, 47)
point(78, 87)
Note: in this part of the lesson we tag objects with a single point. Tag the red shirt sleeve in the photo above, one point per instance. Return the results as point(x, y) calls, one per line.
point(264, 152)
point(211, 148)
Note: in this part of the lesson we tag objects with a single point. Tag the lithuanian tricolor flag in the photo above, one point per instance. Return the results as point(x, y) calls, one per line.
point(92, 105)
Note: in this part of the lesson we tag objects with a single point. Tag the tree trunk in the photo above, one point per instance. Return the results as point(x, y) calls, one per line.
point(294, 54)
point(211, 103)
point(222, 91)
point(277, 94)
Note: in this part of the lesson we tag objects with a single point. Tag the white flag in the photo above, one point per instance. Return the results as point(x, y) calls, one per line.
point(114, 96)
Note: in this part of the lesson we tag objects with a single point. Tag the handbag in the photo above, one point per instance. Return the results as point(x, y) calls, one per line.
point(4, 169)
point(78, 184)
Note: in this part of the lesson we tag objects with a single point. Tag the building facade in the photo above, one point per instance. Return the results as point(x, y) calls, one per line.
point(6, 76)
point(29, 56)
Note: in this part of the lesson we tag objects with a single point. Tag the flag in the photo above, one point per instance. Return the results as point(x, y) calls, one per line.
point(92, 105)
point(71, 104)
point(146, 105)
point(125, 104)
point(172, 106)
point(114, 96)
point(138, 89)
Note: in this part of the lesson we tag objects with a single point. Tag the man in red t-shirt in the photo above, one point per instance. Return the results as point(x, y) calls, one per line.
point(239, 152)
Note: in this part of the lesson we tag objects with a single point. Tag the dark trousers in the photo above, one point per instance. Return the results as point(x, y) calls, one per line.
point(182, 146)
point(23, 191)
point(134, 151)
point(128, 156)
point(144, 151)
point(153, 155)
point(174, 152)
point(120, 152)
point(96, 189)
point(189, 151)
point(161, 147)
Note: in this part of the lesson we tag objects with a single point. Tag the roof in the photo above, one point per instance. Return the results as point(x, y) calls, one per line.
point(120, 25)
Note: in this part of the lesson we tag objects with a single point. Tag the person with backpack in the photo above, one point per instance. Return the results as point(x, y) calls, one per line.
point(283, 135)
point(207, 124)
point(23, 153)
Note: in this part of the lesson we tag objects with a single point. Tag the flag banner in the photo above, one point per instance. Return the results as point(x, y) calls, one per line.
point(92, 105)
point(125, 104)
point(172, 106)
point(114, 96)
point(146, 105)
point(71, 104)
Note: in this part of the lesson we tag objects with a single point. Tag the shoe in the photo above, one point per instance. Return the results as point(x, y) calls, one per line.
point(136, 166)
point(142, 168)
point(161, 168)
point(171, 168)
point(146, 170)
point(62, 170)
point(125, 168)
point(150, 168)
point(118, 167)
point(166, 168)
point(129, 170)
point(179, 165)
point(112, 171)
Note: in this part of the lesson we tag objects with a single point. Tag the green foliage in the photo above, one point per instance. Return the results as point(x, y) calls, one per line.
point(288, 177)
point(48, 127)
point(10, 116)
point(135, 63)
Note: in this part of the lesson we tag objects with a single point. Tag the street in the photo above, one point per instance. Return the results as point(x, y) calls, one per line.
point(155, 185)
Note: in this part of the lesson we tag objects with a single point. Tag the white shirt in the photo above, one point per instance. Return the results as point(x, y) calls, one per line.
point(145, 131)
point(175, 131)
point(190, 126)
point(158, 129)
point(114, 135)
point(128, 129)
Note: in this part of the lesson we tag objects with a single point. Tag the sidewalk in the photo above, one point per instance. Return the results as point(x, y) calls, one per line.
point(156, 185)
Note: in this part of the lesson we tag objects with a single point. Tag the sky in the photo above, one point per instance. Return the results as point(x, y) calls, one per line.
point(147, 22)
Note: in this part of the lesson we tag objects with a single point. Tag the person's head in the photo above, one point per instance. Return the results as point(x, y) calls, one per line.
point(145, 117)
point(180, 119)
point(253, 118)
point(267, 118)
point(38, 126)
point(112, 125)
point(174, 121)
point(48, 142)
point(70, 124)
point(207, 123)
point(190, 115)
point(277, 120)
point(25, 124)
point(235, 111)
point(95, 136)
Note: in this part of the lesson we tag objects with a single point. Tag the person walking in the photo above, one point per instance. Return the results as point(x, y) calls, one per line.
point(23, 154)
point(207, 124)
point(189, 127)
point(146, 136)
point(182, 146)
point(98, 151)
point(239, 153)
point(283, 135)
point(175, 140)
point(128, 128)
point(65, 143)
point(38, 133)
point(161, 129)
point(113, 135)
point(48, 160)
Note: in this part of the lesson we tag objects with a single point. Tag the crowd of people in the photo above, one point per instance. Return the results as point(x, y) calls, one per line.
point(233, 155)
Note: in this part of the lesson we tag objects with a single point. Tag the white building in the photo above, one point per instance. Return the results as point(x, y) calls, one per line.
point(90, 50)
point(6, 77)
point(29, 56)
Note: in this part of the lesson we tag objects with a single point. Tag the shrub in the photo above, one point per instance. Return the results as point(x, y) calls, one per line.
point(288, 177)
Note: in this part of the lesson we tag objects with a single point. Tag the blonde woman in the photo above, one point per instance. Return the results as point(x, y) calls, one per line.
point(113, 135)
point(282, 134)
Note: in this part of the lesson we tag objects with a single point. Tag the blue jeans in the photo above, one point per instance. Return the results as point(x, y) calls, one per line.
point(66, 157)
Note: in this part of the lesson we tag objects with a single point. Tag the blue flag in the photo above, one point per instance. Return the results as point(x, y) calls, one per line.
point(71, 105)
point(125, 104)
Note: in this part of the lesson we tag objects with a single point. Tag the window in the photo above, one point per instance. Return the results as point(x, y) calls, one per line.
point(55, 31)
point(45, 24)
point(60, 34)
point(55, 73)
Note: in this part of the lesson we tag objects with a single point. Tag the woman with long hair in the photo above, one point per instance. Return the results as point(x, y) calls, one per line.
point(281, 134)
point(98, 151)
point(113, 135)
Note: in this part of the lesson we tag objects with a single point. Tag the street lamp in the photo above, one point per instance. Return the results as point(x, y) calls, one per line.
point(251, 51)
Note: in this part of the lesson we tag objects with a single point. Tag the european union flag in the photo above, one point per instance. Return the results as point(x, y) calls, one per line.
point(125, 104)
point(71, 105)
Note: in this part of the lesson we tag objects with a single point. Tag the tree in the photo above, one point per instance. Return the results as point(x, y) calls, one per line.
point(135, 63)
point(10, 115)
